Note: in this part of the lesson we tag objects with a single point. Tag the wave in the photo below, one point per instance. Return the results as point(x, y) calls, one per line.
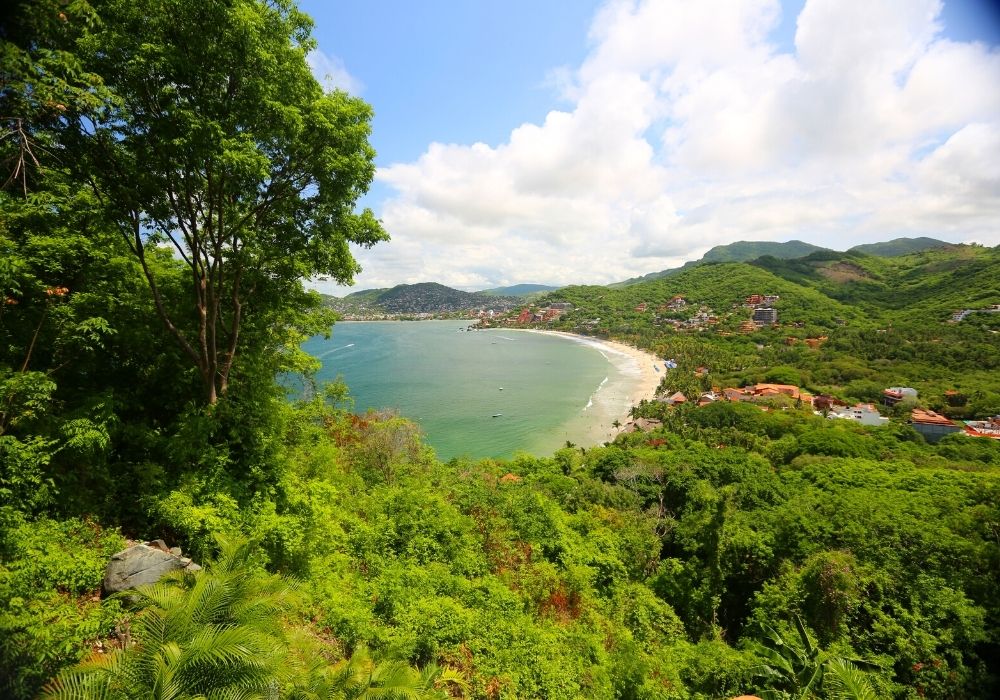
point(330, 352)
point(590, 401)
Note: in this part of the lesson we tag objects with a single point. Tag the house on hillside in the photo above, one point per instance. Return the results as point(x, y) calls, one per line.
point(674, 399)
point(731, 394)
point(931, 425)
point(765, 316)
point(765, 390)
point(894, 394)
point(641, 425)
point(707, 398)
point(825, 402)
point(989, 428)
point(864, 413)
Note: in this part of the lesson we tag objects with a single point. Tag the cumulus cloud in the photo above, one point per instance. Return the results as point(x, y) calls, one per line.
point(331, 73)
point(688, 127)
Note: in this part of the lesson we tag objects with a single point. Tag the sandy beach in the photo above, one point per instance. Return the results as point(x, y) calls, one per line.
point(636, 379)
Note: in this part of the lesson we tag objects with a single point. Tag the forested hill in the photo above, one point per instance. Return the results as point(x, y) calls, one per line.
point(746, 251)
point(426, 297)
point(823, 289)
point(901, 246)
point(930, 284)
point(740, 251)
point(520, 290)
point(848, 324)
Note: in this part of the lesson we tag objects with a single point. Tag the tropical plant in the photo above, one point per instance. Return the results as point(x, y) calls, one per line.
point(216, 634)
point(360, 677)
point(796, 667)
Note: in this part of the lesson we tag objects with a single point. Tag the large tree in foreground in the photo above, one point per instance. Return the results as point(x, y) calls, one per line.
point(219, 143)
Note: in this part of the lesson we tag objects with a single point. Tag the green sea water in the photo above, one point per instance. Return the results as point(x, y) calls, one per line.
point(449, 381)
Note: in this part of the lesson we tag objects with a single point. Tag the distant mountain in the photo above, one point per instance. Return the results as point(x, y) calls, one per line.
point(743, 251)
point(740, 251)
point(426, 297)
point(901, 246)
point(519, 290)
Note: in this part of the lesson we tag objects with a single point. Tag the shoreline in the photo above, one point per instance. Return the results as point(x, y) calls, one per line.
point(611, 400)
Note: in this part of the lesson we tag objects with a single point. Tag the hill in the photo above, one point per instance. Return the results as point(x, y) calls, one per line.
point(519, 290)
point(422, 298)
point(740, 251)
point(743, 251)
point(900, 246)
point(925, 285)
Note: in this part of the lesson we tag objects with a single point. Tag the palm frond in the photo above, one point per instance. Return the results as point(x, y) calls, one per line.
point(846, 682)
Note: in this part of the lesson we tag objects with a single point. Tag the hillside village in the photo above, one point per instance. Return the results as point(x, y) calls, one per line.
point(789, 323)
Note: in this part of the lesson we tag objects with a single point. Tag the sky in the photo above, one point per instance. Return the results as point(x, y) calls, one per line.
point(577, 141)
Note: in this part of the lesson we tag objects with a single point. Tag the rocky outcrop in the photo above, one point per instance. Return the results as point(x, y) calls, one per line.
point(143, 564)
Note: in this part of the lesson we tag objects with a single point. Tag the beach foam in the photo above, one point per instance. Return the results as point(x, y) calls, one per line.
point(635, 380)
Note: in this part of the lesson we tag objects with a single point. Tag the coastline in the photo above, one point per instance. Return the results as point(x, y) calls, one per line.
point(636, 380)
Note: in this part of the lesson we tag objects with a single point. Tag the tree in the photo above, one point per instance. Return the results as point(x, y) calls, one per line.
point(224, 148)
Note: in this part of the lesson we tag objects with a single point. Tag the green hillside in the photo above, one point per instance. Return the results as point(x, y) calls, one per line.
point(929, 284)
point(425, 297)
point(901, 246)
point(740, 251)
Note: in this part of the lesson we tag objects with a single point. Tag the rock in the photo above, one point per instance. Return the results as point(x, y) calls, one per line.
point(176, 551)
point(159, 544)
point(140, 565)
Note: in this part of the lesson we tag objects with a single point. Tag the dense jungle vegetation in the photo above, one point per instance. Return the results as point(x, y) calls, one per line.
point(163, 199)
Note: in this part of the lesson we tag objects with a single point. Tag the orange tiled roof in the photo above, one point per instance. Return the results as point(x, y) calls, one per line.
point(928, 417)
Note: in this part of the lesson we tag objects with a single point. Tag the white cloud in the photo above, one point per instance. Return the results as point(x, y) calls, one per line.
point(687, 128)
point(331, 73)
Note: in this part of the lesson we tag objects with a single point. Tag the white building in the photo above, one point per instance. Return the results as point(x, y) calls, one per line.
point(864, 413)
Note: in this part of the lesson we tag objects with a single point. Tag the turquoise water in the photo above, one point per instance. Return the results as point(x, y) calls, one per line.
point(448, 382)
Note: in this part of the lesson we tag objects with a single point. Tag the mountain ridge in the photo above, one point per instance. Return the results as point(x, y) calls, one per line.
point(747, 251)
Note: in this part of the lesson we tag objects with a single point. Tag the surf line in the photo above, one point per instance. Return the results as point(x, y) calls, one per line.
point(590, 401)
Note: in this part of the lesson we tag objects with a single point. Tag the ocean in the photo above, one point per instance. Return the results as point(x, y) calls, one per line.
point(484, 393)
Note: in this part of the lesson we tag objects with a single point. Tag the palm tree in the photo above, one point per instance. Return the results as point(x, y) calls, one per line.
point(359, 677)
point(220, 634)
point(215, 634)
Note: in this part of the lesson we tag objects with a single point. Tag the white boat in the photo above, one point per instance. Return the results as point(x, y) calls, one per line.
point(497, 415)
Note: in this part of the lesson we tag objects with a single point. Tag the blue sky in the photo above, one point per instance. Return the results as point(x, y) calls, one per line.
point(549, 195)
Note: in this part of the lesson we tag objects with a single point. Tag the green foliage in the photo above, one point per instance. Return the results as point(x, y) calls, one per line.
point(50, 579)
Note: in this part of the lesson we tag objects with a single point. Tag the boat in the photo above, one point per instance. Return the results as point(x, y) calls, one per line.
point(501, 388)
point(497, 415)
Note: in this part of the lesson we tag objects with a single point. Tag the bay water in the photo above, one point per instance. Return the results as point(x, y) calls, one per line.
point(482, 393)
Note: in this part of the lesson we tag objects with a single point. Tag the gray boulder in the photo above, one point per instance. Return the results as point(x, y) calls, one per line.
point(142, 564)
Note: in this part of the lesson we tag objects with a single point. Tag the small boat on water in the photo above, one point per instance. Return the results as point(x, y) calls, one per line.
point(497, 415)
point(501, 388)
